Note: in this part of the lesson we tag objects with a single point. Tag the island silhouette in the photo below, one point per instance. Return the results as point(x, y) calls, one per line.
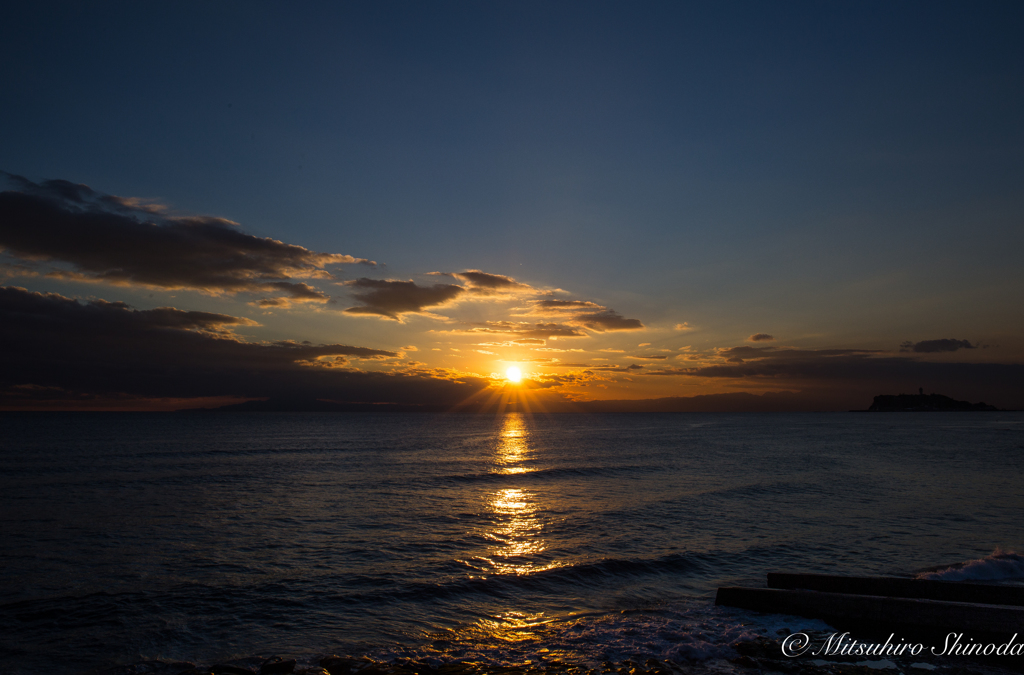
point(921, 402)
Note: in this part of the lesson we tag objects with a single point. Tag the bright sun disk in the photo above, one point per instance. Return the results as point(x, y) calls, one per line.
point(513, 374)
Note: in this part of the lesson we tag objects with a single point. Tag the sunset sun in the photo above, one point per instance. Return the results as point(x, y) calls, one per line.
point(709, 243)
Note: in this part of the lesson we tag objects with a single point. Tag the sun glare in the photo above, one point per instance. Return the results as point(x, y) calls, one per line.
point(513, 374)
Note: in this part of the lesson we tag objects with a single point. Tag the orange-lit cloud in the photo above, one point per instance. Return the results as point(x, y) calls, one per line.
point(523, 330)
point(552, 307)
point(582, 313)
point(487, 284)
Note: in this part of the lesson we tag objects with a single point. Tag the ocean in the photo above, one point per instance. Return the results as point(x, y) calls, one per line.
point(498, 540)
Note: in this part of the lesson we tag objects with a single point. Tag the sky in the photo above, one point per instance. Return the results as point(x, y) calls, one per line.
point(732, 205)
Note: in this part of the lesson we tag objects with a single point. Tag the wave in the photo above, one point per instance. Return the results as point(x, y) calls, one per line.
point(691, 631)
point(262, 600)
point(998, 566)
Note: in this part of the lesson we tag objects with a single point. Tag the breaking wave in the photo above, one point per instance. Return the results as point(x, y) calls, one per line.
point(999, 566)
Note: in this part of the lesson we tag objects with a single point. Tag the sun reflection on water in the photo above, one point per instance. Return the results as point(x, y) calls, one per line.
point(518, 527)
point(513, 445)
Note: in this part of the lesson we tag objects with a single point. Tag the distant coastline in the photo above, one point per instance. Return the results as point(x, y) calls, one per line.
point(737, 402)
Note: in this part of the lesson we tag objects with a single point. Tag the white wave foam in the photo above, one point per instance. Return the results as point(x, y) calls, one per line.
point(1000, 565)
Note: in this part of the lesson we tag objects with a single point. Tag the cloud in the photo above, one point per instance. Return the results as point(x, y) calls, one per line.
point(562, 306)
point(123, 241)
point(761, 337)
point(747, 361)
point(683, 326)
point(856, 375)
point(554, 349)
point(583, 313)
point(391, 299)
point(933, 346)
point(484, 283)
point(591, 366)
point(70, 349)
point(655, 357)
point(552, 380)
point(524, 332)
point(297, 293)
point(617, 368)
point(515, 343)
point(608, 320)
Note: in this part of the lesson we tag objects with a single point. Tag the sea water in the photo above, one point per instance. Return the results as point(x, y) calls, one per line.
point(499, 539)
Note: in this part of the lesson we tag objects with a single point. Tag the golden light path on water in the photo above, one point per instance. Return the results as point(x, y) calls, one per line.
point(518, 529)
point(517, 534)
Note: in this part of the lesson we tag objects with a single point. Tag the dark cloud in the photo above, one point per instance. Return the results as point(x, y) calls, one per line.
point(652, 357)
point(392, 299)
point(65, 348)
point(761, 337)
point(298, 291)
point(933, 346)
point(123, 241)
point(608, 320)
point(769, 362)
point(856, 375)
point(295, 293)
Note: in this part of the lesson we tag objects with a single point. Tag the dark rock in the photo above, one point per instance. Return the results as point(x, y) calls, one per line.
point(228, 669)
point(337, 665)
point(277, 666)
point(379, 669)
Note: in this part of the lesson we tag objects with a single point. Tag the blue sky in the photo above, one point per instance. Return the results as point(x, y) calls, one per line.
point(836, 175)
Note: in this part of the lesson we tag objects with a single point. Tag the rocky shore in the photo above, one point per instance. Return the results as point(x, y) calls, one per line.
point(762, 655)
